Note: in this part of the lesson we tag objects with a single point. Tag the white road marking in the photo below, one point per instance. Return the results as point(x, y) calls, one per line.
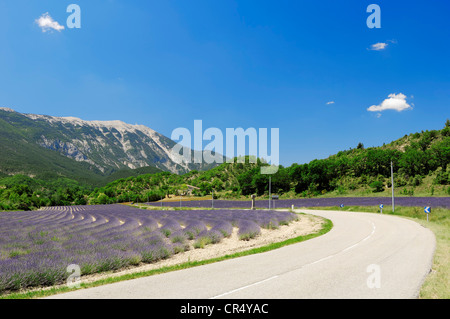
point(315, 262)
point(242, 288)
point(362, 240)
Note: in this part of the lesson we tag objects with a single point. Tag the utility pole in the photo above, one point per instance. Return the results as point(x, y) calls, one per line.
point(392, 186)
point(270, 189)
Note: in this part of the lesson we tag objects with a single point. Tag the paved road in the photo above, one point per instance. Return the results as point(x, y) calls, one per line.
point(363, 256)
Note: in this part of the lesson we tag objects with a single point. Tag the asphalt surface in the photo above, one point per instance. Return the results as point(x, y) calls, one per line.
point(363, 256)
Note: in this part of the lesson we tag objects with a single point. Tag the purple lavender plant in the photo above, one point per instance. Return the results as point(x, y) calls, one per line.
point(36, 247)
point(248, 229)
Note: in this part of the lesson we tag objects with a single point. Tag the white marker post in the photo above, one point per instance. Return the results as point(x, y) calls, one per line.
point(392, 186)
point(270, 186)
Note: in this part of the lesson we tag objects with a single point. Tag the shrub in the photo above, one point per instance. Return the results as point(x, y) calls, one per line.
point(248, 230)
point(194, 228)
point(409, 192)
point(442, 177)
point(208, 237)
point(400, 181)
point(377, 186)
point(224, 227)
point(416, 181)
point(341, 190)
point(178, 237)
point(180, 247)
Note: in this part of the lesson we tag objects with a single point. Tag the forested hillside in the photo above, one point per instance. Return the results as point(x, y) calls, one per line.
point(420, 161)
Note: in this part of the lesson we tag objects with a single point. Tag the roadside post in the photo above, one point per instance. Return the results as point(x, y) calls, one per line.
point(274, 198)
point(392, 186)
point(341, 206)
point(427, 211)
point(381, 208)
point(270, 187)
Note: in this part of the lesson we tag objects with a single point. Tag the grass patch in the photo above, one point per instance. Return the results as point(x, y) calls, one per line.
point(202, 242)
point(436, 285)
point(17, 253)
point(247, 236)
point(326, 227)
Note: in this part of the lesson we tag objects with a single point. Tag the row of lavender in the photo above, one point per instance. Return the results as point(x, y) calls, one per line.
point(315, 202)
point(37, 247)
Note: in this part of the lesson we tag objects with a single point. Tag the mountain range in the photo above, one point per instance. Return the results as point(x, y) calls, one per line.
point(46, 146)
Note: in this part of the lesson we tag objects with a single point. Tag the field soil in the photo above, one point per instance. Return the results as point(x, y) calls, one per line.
point(306, 224)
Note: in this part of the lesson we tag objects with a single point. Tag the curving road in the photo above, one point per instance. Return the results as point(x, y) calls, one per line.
point(363, 256)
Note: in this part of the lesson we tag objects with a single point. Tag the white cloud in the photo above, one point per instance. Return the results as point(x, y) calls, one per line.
point(394, 101)
point(46, 23)
point(331, 102)
point(378, 46)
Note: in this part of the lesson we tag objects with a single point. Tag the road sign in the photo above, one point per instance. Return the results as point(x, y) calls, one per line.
point(342, 206)
point(381, 208)
point(427, 211)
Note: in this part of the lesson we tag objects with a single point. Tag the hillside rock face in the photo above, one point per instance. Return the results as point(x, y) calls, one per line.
point(107, 145)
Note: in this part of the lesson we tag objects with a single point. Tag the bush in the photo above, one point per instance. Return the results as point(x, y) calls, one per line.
point(377, 186)
point(248, 230)
point(400, 181)
point(442, 177)
point(341, 190)
point(416, 181)
point(409, 192)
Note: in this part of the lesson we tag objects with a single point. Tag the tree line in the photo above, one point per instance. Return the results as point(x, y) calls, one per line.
point(414, 157)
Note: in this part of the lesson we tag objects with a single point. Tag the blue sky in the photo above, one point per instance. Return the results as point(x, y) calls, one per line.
point(262, 64)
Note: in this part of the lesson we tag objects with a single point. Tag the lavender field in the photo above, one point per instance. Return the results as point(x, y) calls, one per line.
point(316, 202)
point(37, 247)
